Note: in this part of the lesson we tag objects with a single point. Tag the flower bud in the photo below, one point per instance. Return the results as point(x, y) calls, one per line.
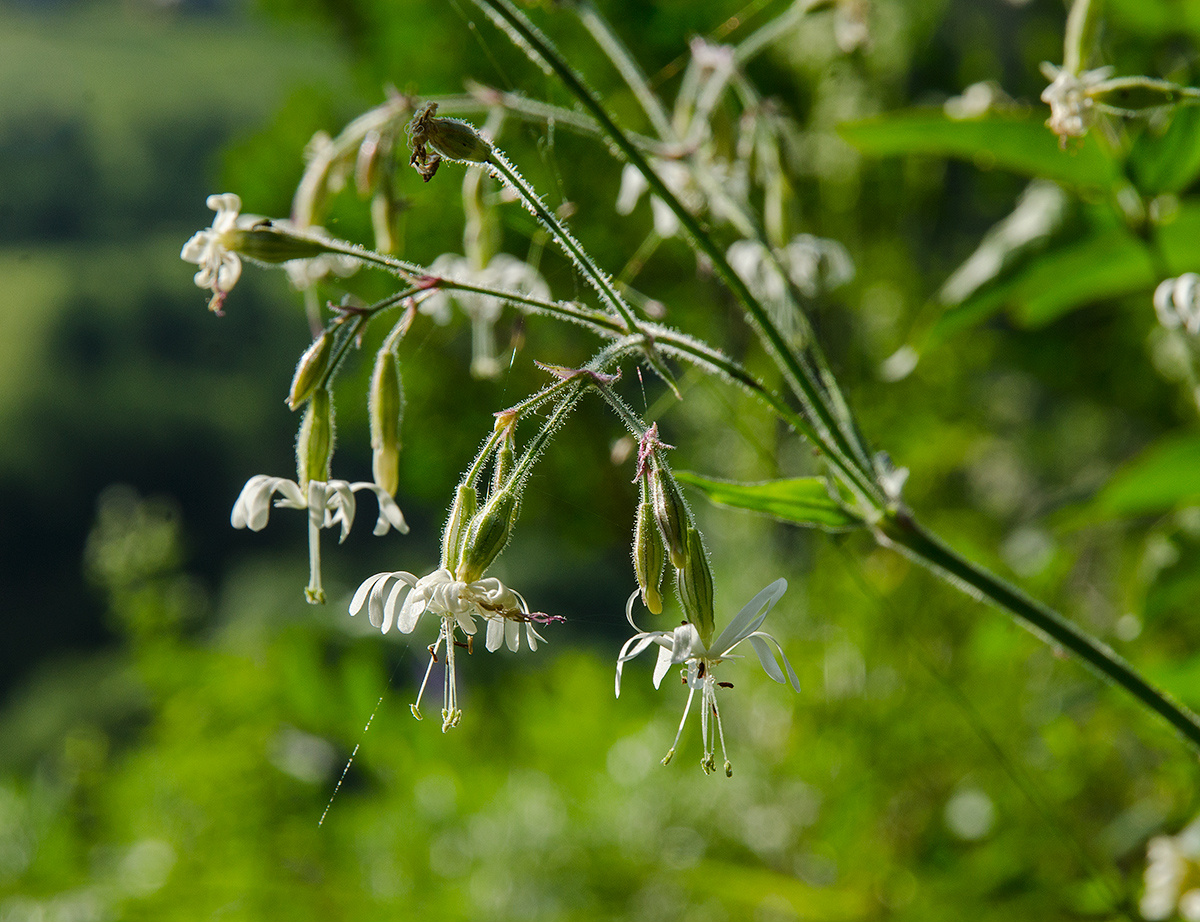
point(490, 531)
point(310, 369)
point(695, 583)
point(386, 406)
point(649, 557)
point(366, 164)
point(459, 520)
point(505, 461)
point(670, 513)
point(314, 447)
point(275, 242)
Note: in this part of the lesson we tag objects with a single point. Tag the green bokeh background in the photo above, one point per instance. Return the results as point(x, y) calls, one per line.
point(175, 719)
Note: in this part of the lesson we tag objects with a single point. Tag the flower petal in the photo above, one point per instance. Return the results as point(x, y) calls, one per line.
point(663, 665)
point(766, 656)
point(495, 634)
point(390, 515)
point(253, 505)
point(746, 621)
point(512, 636)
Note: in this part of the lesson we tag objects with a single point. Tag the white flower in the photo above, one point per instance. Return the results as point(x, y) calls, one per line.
point(683, 646)
point(1177, 302)
point(212, 249)
point(1072, 108)
point(503, 273)
point(328, 503)
point(1172, 876)
point(399, 598)
point(676, 177)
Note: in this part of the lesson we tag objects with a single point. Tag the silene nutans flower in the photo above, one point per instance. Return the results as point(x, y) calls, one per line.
point(683, 647)
point(329, 503)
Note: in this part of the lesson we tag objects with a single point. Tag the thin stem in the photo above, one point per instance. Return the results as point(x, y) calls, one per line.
point(813, 390)
point(574, 250)
point(900, 531)
point(628, 67)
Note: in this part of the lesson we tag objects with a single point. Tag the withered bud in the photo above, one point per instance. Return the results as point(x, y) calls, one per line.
point(310, 369)
point(449, 139)
point(455, 533)
point(670, 512)
point(386, 406)
point(314, 447)
point(695, 583)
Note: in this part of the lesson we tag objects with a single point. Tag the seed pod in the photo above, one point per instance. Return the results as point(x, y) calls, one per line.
point(695, 583)
point(649, 557)
point(455, 533)
point(310, 369)
point(490, 531)
point(670, 513)
point(456, 140)
point(314, 447)
point(386, 405)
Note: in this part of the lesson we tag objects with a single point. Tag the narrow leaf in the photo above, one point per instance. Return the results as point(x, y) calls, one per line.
point(1164, 476)
point(1019, 144)
point(800, 500)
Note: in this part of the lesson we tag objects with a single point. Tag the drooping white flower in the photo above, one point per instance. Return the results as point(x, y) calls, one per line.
point(676, 177)
point(399, 598)
point(212, 249)
point(1172, 876)
point(1069, 96)
point(683, 646)
point(328, 504)
point(504, 273)
point(1177, 302)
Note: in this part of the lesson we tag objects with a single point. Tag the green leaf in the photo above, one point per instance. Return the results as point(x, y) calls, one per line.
point(799, 500)
point(1019, 144)
point(1164, 476)
point(1168, 161)
point(1108, 262)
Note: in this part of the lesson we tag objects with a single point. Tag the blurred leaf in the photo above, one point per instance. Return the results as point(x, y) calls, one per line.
point(1162, 477)
point(1168, 161)
point(1019, 144)
point(1108, 262)
point(800, 500)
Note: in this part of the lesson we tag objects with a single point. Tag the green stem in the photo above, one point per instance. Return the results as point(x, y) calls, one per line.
point(835, 442)
point(900, 531)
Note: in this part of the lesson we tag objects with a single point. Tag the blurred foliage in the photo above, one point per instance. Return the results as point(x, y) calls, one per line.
point(939, 764)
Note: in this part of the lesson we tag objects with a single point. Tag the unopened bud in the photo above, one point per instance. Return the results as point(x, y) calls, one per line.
point(670, 513)
point(505, 461)
point(696, 586)
point(310, 369)
point(314, 447)
point(275, 242)
point(489, 533)
point(459, 520)
point(386, 405)
point(366, 164)
point(649, 557)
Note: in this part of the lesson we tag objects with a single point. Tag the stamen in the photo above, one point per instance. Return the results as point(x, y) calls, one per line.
point(686, 708)
point(416, 708)
point(721, 734)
